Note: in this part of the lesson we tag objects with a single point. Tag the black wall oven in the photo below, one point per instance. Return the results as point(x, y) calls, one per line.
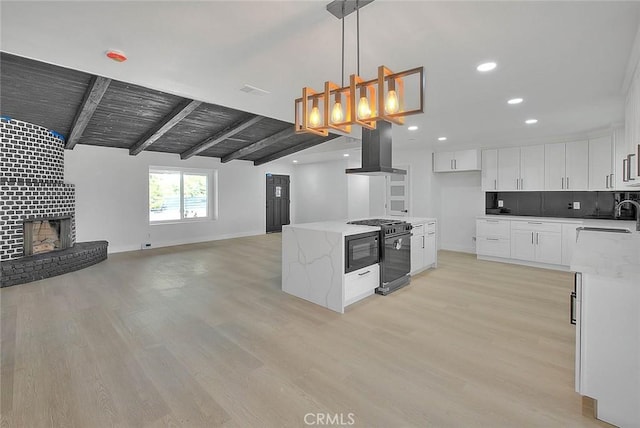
point(361, 250)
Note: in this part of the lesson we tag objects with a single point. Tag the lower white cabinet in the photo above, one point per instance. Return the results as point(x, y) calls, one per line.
point(536, 241)
point(544, 242)
point(423, 246)
point(361, 283)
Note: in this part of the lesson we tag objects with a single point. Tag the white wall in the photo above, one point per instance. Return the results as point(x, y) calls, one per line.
point(357, 193)
point(321, 192)
point(460, 199)
point(112, 198)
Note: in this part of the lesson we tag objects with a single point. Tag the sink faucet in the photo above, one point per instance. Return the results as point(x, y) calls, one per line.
point(637, 205)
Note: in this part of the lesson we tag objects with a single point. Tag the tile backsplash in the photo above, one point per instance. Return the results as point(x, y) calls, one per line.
point(598, 205)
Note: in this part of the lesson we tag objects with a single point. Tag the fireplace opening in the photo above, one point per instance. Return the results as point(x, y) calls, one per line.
point(45, 235)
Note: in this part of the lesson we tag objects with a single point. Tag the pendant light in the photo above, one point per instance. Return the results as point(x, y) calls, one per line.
point(361, 102)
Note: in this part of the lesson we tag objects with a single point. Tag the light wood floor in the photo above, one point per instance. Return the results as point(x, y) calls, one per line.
point(201, 335)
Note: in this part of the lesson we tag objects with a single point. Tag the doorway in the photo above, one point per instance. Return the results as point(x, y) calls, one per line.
point(277, 202)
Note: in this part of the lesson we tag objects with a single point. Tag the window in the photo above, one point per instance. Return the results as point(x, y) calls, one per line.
point(179, 194)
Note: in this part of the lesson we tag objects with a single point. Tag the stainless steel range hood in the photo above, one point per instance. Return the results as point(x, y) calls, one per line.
point(376, 152)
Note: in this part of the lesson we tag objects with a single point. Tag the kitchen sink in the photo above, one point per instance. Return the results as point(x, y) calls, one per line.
point(603, 229)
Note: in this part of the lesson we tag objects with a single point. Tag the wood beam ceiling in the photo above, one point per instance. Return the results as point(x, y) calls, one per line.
point(95, 91)
point(313, 141)
point(169, 121)
point(259, 145)
point(229, 131)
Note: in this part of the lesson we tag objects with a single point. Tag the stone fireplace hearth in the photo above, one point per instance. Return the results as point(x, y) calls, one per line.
point(37, 208)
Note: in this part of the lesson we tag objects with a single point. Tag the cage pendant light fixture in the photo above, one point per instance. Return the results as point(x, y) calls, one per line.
point(389, 96)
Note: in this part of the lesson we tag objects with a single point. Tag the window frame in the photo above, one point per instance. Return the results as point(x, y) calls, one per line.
point(212, 194)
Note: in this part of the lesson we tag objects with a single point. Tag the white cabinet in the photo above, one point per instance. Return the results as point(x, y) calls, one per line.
point(493, 238)
point(417, 248)
point(532, 168)
point(536, 241)
point(567, 166)
point(520, 168)
point(601, 164)
point(489, 170)
point(423, 245)
point(463, 160)
point(360, 284)
point(509, 168)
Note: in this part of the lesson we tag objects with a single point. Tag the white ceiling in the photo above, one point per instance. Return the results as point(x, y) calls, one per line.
point(567, 59)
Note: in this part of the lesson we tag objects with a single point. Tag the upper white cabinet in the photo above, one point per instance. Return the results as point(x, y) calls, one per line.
point(519, 168)
point(463, 160)
point(601, 175)
point(490, 170)
point(509, 168)
point(567, 166)
point(630, 158)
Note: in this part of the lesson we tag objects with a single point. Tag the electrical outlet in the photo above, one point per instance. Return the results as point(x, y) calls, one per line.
point(500, 203)
point(576, 205)
point(145, 245)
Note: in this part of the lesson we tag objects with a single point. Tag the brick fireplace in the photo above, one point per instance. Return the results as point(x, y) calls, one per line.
point(37, 208)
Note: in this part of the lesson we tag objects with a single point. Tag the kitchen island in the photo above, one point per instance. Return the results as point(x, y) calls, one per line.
point(606, 312)
point(313, 264)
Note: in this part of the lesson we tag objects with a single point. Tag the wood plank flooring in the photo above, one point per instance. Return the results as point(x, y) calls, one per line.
point(201, 336)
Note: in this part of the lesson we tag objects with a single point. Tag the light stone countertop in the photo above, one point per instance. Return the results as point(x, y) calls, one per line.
point(613, 255)
point(335, 226)
point(622, 224)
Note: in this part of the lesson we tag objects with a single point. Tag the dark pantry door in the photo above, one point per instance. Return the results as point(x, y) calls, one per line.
point(277, 202)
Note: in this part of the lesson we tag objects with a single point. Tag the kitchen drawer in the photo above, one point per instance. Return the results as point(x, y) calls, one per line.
point(536, 226)
point(361, 283)
point(430, 227)
point(418, 229)
point(493, 228)
point(495, 247)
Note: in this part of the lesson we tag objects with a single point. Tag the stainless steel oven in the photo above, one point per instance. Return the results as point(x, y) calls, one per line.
point(361, 250)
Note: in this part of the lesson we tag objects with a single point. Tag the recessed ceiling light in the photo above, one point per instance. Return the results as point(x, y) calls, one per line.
point(412, 128)
point(346, 155)
point(442, 138)
point(515, 101)
point(487, 66)
point(531, 121)
point(295, 161)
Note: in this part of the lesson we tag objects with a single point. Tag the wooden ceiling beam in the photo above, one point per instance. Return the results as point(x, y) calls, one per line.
point(181, 111)
point(259, 145)
point(229, 131)
point(313, 141)
point(94, 93)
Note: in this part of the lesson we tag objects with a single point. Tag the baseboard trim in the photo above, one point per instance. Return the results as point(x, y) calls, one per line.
point(524, 263)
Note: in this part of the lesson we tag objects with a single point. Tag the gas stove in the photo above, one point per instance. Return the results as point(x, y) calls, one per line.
point(389, 227)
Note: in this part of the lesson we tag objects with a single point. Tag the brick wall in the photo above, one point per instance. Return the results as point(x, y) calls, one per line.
point(31, 182)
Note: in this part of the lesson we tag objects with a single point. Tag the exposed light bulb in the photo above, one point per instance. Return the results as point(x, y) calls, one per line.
point(392, 105)
point(337, 114)
point(364, 110)
point(314, 116)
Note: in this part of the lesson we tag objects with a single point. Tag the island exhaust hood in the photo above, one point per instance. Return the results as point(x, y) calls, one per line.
point(376, 152)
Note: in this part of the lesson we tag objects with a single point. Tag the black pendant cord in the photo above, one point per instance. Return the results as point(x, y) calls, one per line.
point(358, 34)
point(342, 46)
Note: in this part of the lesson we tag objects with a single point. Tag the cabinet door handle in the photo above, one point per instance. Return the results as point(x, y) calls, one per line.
point(493, 239)
point(537, 238)
point(563, 182)
point(522, 184)
point(364, 273)
point(607, 181)
point(517, 184)
point(534, 222)
point(422, 241)
point(611, 181)
point(531, 238)
point(572, 307)
point(495, 184)
point(568, 183)
point(629, 163)
point(431, 233)
point(625, 163)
